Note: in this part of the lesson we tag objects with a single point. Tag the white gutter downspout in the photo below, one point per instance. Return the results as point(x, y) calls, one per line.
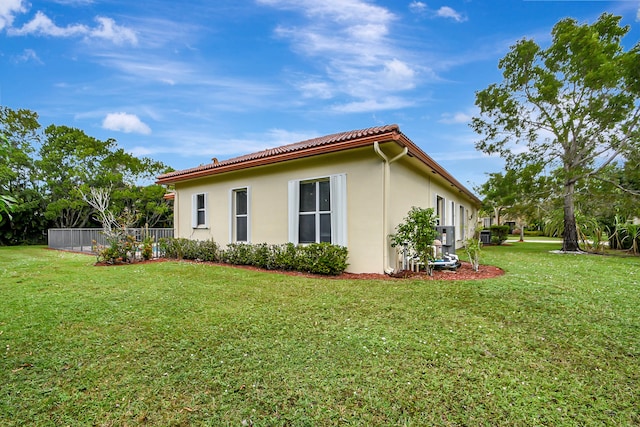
point(386, 198)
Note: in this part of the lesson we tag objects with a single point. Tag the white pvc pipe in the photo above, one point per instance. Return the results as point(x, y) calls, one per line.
point(386, 196)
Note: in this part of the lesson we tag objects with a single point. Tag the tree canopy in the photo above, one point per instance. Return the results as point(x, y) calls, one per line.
point(6, 201)
point(518, 193)
point(71, 161)
point(572, 108)
point(43, 174)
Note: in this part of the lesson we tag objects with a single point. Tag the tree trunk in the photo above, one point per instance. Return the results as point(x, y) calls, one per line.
point(521, 231)
point(570, 237)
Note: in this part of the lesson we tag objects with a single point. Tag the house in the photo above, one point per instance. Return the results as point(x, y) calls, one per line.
point(350, 188)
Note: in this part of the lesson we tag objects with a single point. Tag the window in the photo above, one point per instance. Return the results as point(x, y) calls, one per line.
point(239, 227)
point(199, 210)
point(317, 210)
point(314, 223)
point(462, 220)
point(453, 213)
point(440, 210)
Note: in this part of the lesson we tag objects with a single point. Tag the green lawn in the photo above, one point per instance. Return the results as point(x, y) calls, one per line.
point(535, 238)
point(555, 341)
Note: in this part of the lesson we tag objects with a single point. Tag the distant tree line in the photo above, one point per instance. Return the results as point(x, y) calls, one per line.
point(45, 172)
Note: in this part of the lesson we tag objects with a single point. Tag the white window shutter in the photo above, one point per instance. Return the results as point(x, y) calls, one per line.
point(452, 215)
point(206, 211)
point(443, 219)
point(339, 209)
point(194, 211)
point(231, 214)
point(294, 203)
point(248, 214)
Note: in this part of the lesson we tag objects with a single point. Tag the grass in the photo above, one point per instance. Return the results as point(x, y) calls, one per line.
point(555, 341)
point(535, 238)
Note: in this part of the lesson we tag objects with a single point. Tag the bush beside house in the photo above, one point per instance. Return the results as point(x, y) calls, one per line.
point(316, 258)
point(499, 234)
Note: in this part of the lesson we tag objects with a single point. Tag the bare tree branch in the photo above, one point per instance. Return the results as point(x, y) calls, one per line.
point(617, 185)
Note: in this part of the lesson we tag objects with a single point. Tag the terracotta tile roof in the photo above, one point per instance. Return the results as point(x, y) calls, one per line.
point(311, 147)
point(298, 147)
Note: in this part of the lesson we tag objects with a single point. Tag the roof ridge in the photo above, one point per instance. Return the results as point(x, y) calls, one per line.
point(319, 140)
point(289, 148)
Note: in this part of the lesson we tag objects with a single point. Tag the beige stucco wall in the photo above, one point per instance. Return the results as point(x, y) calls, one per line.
point(414, 184)
point(269, 202)
point(417, 186)
point(410, 184)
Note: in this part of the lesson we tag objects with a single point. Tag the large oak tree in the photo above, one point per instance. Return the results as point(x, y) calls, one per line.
point(572, 108)
point(71, 162)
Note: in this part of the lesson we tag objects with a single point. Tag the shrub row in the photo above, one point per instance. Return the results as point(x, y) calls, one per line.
point(316, 258)
point(203, 250)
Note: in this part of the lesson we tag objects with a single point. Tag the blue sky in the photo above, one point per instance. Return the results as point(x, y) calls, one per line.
point(185, 81)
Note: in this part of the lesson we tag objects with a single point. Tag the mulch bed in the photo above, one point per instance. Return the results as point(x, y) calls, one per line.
point(465, 272)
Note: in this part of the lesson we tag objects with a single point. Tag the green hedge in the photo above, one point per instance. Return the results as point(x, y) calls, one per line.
point(499, 233)
point(203, 250)
point(316, 258)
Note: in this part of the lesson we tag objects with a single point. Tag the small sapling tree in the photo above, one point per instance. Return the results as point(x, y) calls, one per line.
point(473, 248)
point(417, 233)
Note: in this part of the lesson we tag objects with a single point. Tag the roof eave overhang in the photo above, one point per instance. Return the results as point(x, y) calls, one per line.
point(278, 158)
point(392, 135)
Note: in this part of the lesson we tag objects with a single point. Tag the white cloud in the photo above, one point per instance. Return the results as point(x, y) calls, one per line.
point(335, 10)
point(367, 32)
point(278, 137)
point(42, 25)
point(230, 147)
point(420, 8)
point(316, 90)
point(8, 10)
point(199, 145)
point(638, 15)
point(455, 118)
point(352, 45)
point(457, 155)
point(140, 151)
point(106, 29)
point(447, 12)
point(29, 55)
point(370, 105)
point(398, 75)
point(148, 67)
point(109, 30)
point(127, 123)
point(74, 2)
point(417, 7)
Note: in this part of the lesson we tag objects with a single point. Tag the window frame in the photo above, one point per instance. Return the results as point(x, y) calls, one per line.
point(440, 209)
point(233, 215)
point(462, 221)
point(452, 218)
point(317, 213)
point(196, 209)
point(338, 208)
